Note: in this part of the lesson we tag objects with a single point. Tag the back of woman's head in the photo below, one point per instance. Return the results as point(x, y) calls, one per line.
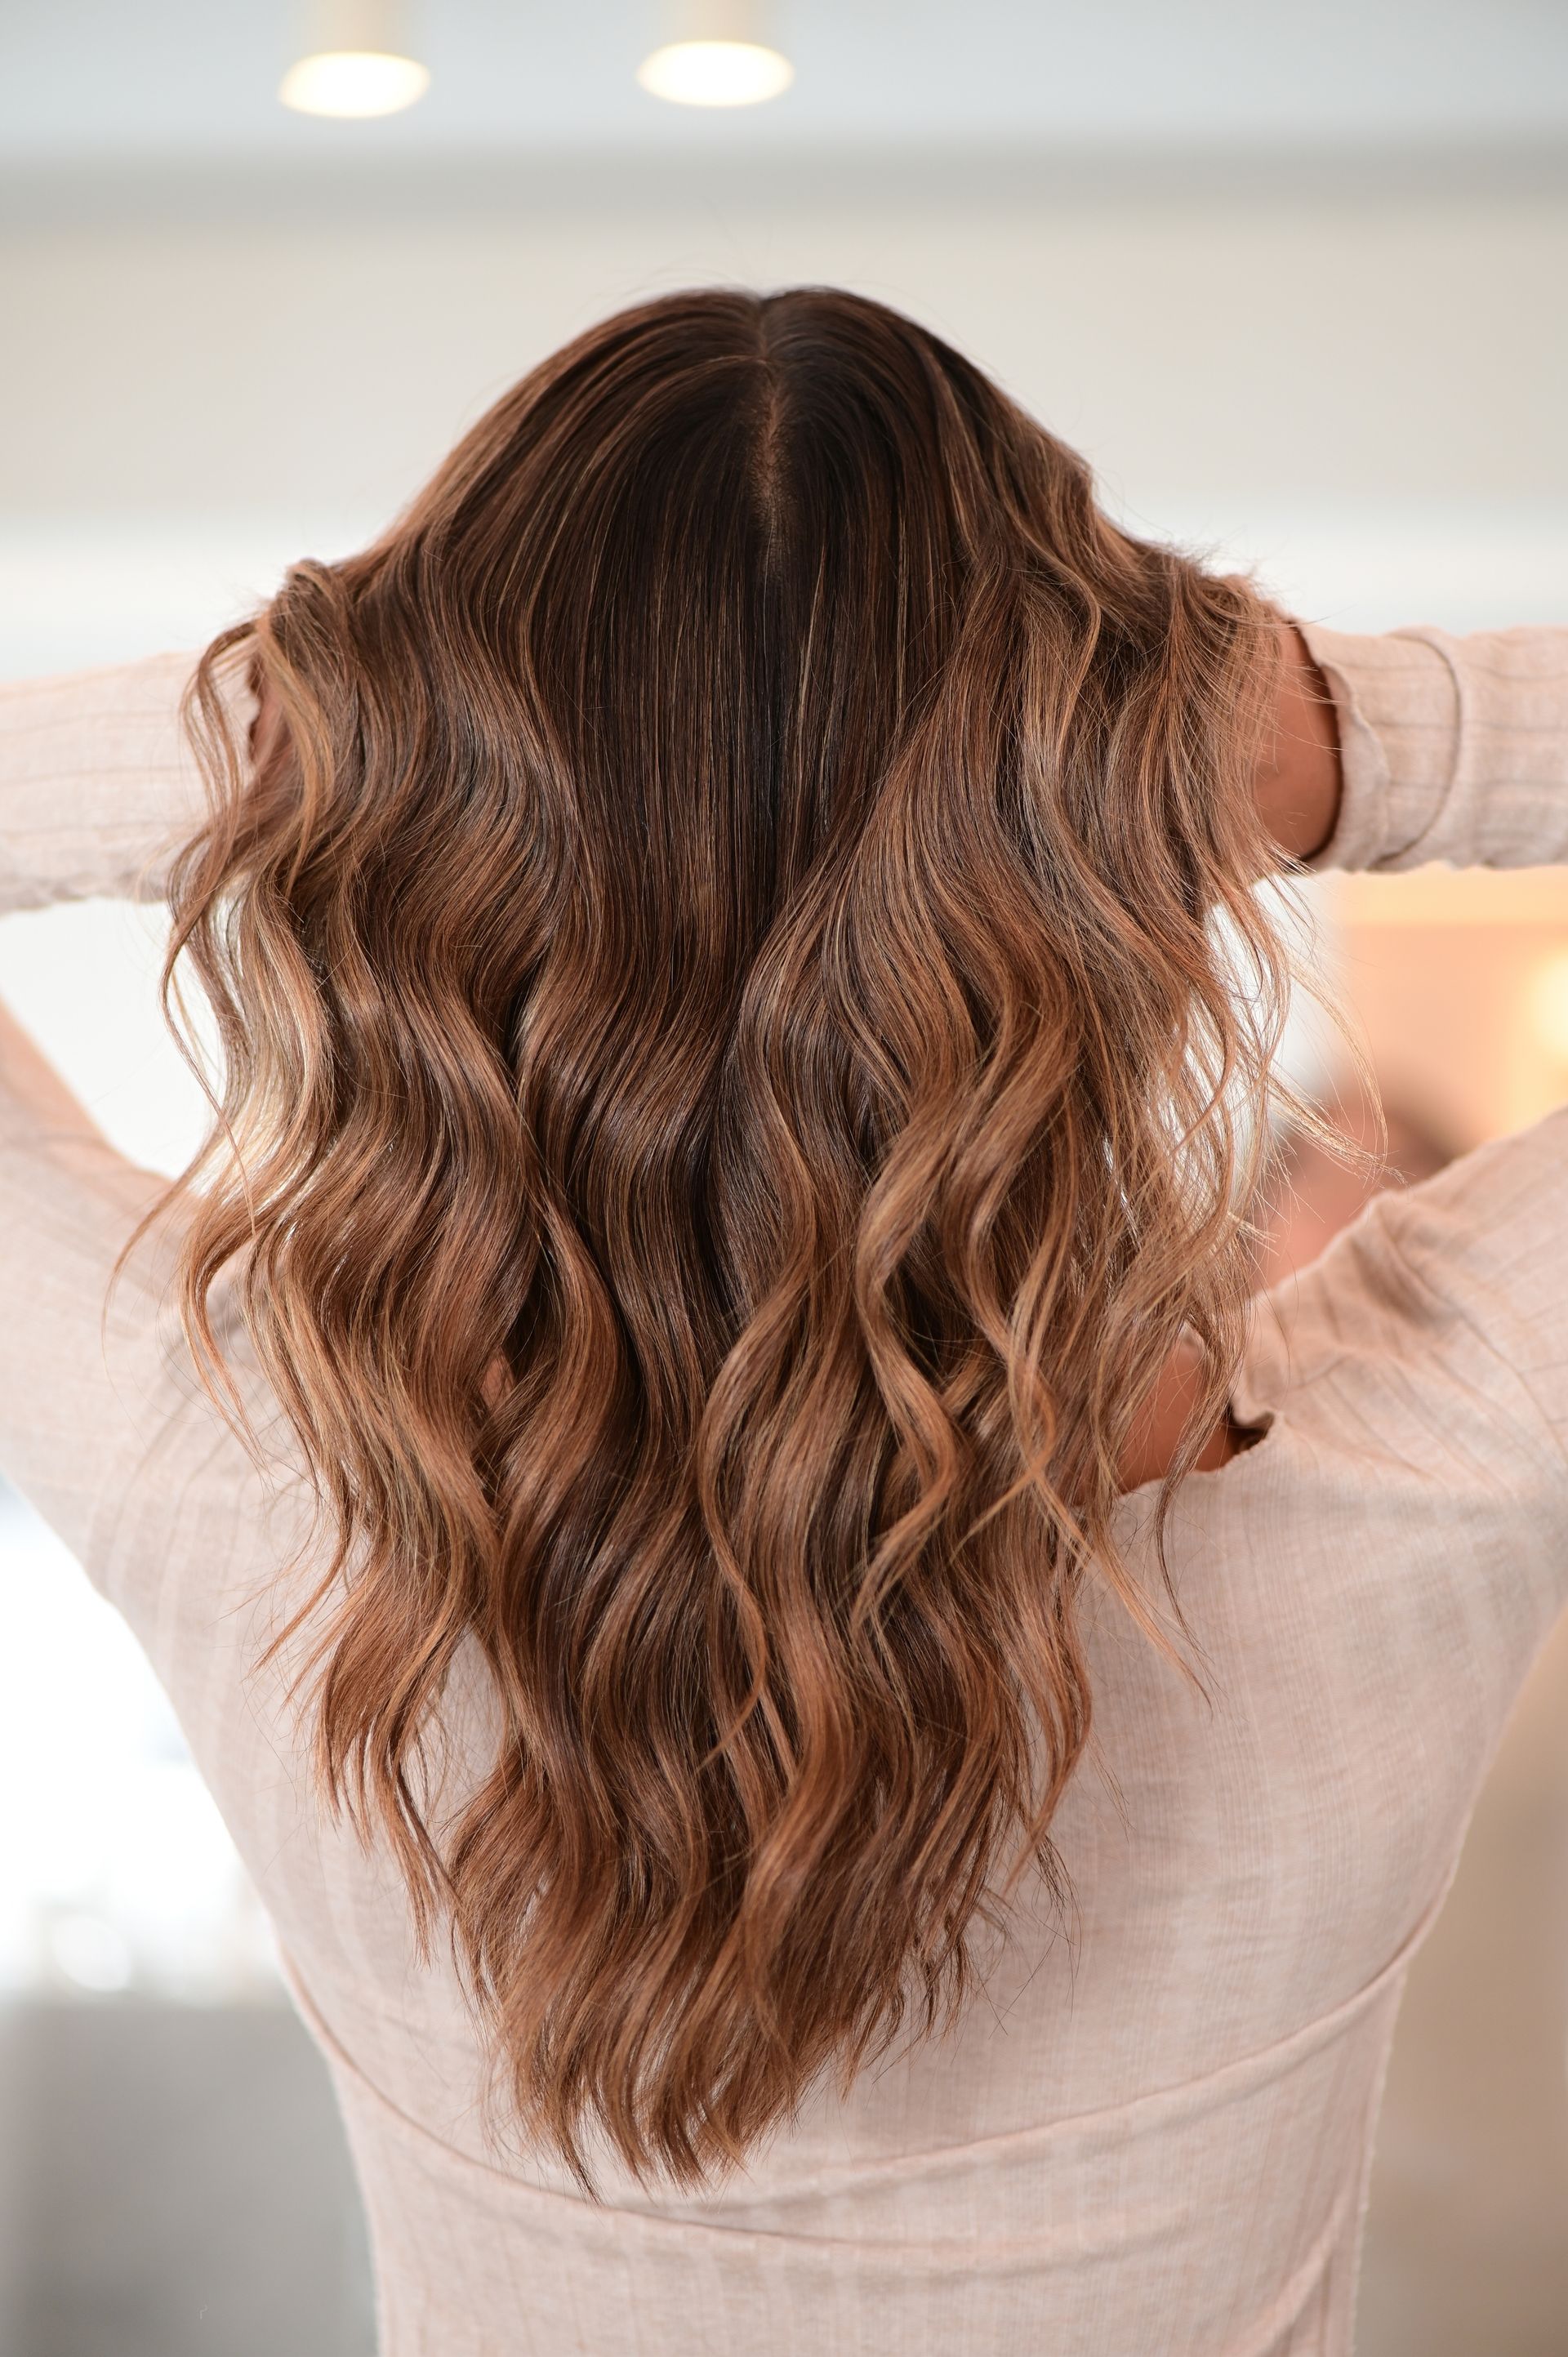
point(738, 1076)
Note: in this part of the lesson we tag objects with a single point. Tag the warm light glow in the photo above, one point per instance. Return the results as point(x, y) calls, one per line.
point(353, 82)
point(1548, 1005)
point(716, 73)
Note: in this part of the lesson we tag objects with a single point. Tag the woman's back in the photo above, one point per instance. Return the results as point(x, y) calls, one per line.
point(1149, 2126)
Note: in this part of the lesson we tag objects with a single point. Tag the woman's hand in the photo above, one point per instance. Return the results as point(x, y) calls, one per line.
point(1299, 780)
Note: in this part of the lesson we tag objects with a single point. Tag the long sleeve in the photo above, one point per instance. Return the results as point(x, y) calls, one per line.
point(1456, 748)
point(97, 788)
point(98, 784)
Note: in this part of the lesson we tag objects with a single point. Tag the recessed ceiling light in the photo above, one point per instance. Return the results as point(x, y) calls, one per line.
point(354, 60)
point(353, 82)
point(718, 54)
point(716, 73)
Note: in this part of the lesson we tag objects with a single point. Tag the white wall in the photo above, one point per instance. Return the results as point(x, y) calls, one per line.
point(1360, 378)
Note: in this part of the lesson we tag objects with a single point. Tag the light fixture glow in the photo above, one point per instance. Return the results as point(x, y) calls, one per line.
point(716, 73)
point(353, 82)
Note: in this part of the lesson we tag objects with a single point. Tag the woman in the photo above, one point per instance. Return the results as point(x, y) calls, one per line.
point(846, 1750)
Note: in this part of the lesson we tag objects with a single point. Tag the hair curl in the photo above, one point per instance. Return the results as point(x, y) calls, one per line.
point(745, 1020)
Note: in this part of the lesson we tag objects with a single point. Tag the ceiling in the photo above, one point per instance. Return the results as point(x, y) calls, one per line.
point(95, 84)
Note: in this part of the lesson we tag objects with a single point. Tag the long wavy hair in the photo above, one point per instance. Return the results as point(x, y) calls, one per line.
point(746, 1023)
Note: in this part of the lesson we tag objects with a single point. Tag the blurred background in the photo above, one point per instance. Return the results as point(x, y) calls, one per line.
point(1293, 281)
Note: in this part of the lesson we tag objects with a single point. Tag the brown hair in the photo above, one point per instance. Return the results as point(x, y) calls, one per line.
point(744, 1021)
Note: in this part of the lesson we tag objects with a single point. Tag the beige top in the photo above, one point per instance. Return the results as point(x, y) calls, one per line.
point(1154, 2140)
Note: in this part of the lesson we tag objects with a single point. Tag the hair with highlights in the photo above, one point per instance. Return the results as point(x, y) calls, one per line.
point(746, 1027)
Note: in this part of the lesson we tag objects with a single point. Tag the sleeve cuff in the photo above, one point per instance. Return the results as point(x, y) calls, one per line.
point(1397, 701)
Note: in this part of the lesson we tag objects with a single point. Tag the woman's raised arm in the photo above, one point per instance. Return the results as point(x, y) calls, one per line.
point(98, 786)
point(1451, 747)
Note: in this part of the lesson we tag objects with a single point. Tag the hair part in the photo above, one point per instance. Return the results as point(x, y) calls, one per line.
point(746, 1024)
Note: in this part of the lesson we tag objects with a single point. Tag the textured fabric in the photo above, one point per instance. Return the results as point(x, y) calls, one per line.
point(1152, 2131)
